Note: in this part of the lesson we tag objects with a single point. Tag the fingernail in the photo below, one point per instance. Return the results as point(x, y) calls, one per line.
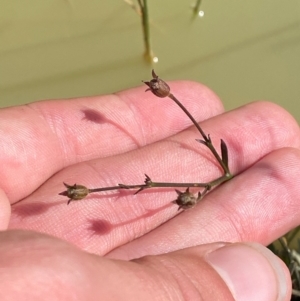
point(251, 272)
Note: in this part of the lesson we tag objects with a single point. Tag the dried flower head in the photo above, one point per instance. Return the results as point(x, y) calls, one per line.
point(186, 199)
point(75, 192)
point(157, 86)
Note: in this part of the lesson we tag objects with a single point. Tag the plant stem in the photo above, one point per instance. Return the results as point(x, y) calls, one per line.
point(78, 192)
point(207, 140)
point(196, 7)
point(146, 29)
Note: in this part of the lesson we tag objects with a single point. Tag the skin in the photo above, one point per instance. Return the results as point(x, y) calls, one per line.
point(106, 140)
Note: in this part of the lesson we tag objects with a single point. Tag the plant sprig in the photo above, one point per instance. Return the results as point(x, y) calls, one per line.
point(142, 10)
point(185, 199)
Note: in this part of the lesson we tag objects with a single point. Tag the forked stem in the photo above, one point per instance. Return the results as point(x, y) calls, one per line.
point(184, 199)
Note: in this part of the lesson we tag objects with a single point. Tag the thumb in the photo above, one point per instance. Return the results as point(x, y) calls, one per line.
point(220, 271)
point(39, 267)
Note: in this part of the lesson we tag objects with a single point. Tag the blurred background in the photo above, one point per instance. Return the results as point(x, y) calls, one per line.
point(243, 50)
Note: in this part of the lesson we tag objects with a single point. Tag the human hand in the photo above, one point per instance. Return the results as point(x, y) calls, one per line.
point(114, 139)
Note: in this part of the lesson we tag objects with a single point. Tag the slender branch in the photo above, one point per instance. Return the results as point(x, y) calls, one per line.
point(207, 140)
point(146, 29)
point(196, 7)
point(150, 184)
point(143, 12)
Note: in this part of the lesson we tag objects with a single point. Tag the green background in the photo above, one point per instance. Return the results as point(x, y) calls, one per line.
point(243, 50)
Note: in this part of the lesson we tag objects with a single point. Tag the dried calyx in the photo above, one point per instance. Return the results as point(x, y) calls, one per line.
point(75, 192)
point(186, 199)
point(157, 86)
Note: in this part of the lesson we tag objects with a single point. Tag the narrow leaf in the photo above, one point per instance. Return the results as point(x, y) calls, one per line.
point(224, 152)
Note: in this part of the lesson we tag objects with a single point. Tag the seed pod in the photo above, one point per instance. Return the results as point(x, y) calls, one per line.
point(75, 192)
point(157, 86)
point(186, 199)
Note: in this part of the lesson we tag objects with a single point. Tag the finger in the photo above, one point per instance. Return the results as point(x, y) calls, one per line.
point(105, 221)
point(260, 204)
point(57, 271)
point(41, 138)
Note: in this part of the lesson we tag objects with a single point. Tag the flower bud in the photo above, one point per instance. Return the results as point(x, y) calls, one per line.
point(75, 192)
point(157, 86)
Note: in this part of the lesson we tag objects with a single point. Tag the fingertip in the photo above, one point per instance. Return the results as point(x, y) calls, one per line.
point(275, 118)
point(251, 272)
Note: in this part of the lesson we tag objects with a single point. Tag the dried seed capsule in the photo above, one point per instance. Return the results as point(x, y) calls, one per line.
point(75, 192)
point(157, 86)
point(186, 199)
